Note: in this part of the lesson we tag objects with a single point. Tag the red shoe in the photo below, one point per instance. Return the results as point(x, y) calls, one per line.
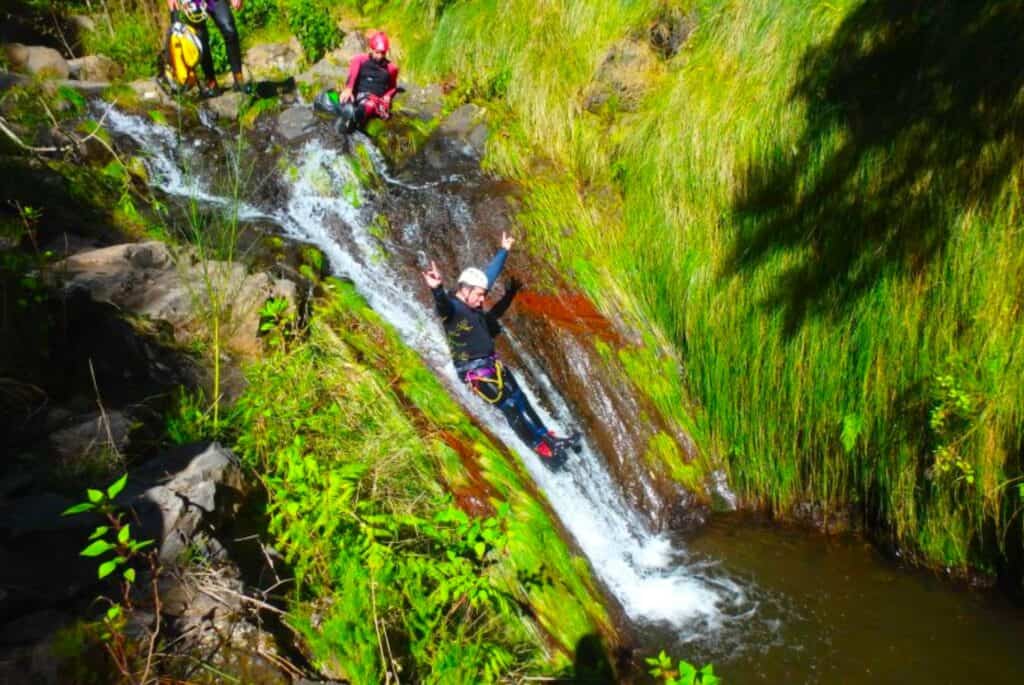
point(544, 450)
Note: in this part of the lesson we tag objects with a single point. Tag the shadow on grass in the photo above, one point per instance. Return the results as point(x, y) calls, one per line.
point(591, 663)
point(913, 116)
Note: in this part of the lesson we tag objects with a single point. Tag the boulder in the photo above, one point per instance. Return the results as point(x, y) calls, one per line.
point(422, 102)
point(324, 74)
point(145, 279)
point(274, 59)
point(39, 513)
point(196, 485)
point(332, 70)
point(296, 124)
point(82, 23)
point(94, 68)
point(148, 91)
point(87, 437)
point(46, 546)
point(37, 59)
point(351, 45)
point(623, 77)
point(227, 106)
point(459, 141)
point(33, 627)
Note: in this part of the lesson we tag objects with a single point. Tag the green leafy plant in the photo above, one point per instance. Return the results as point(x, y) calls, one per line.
point(953, 411)
point(311, 22)
point(114, 546)
point(683, 673)
point(277, 322)
point(190, 419)
point(393, 578)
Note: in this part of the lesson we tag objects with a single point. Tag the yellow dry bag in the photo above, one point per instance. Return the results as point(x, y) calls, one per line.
point(183, 52)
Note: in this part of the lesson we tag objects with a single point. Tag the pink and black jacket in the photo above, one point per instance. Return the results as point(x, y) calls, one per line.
point(373, 84)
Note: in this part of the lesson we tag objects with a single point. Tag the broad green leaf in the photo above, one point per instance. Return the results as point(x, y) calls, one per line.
point(158, 117)
point(99, 532)
point(129, 575)
point(107, 567)
point(124, 534)
point(853, 424)
point(77, 509)
point(117, 486)
point(95, 496)
point(115, 170)
point(113, 612)
point(73, 97)
point(97, 548)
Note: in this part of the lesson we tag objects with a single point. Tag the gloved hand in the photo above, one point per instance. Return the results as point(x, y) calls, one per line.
point(383, 109)
point(513, 285)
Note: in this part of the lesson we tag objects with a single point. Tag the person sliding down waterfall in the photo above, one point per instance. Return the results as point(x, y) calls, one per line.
point(372, 83)
point(471, 331)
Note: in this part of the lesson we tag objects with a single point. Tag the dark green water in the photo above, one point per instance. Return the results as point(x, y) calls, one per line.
point(833, 610)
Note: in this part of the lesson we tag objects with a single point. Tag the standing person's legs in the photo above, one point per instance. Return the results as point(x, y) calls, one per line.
point(225, 21)
point(206, 61)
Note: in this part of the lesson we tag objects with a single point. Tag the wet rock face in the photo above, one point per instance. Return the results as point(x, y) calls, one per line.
point(458, 144)
point(561, 330)
point(296, 124)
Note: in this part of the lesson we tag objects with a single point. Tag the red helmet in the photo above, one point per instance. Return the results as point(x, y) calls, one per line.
point(379, 42)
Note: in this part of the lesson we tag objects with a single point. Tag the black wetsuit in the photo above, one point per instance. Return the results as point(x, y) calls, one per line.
point(220, 12)
point(471, 334)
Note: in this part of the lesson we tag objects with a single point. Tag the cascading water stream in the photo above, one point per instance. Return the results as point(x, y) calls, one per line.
point(653, 580)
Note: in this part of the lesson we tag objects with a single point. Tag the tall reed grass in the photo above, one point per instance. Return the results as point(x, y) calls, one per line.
point(816, 206)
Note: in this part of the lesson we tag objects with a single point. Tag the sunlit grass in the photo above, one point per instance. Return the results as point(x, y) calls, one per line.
point(713, 215)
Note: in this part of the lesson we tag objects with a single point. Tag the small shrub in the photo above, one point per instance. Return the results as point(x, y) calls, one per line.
point(311, 22)
point(134, 44)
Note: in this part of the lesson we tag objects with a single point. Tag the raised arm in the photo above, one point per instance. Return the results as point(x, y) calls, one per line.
point(493, 269)
point(432, 277)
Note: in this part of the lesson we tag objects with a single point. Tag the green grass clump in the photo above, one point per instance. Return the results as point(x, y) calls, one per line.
point(359, 445)
point(815, 205)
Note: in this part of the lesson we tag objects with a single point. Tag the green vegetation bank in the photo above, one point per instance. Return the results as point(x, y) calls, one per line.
point(815, 205)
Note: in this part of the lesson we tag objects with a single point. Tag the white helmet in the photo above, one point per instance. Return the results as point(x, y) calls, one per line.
point(474, 278)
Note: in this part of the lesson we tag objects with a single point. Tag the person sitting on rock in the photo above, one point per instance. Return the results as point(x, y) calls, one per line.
point(194, 12)
point(372, 83)
point(471, 331)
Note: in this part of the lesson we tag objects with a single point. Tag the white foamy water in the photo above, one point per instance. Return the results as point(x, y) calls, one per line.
point(653, 580)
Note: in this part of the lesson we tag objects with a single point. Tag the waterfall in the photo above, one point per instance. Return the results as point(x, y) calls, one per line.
point(653, 578)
